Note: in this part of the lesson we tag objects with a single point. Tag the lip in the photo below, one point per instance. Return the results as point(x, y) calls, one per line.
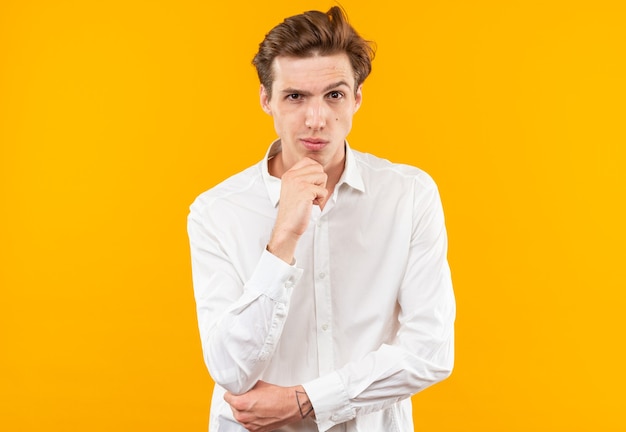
point(313, 144)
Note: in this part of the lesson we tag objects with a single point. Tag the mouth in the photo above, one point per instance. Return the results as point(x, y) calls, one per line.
point(313, 144)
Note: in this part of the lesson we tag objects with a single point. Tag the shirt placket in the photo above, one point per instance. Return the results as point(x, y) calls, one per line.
point(323, 300)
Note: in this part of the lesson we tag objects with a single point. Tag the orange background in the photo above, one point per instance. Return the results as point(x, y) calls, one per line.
point(115, 115)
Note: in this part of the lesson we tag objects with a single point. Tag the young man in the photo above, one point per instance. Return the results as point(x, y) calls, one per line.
point(323, 291)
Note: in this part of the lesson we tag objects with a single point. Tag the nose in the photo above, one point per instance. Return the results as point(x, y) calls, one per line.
point(315, 116)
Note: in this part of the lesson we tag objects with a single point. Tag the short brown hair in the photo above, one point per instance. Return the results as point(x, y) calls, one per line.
point(314, 33)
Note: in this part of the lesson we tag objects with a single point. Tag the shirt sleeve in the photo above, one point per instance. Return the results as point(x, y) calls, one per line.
point(240, 321)
point(422, 352)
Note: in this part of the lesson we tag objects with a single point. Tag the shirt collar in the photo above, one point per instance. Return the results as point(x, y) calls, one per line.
point(350, 176)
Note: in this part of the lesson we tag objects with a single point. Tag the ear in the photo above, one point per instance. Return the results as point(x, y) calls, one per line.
point(265, 100)
point(358, 98)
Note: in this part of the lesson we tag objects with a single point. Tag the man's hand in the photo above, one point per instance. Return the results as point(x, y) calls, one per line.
point(301, 186)
point(267, 407)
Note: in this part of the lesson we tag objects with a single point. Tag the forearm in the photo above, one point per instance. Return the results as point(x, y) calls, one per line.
point(380, 379)
point(236, 352)
point(239, 338)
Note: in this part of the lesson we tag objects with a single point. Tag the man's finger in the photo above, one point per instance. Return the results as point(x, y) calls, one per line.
point(318, 179)
point(320, 195)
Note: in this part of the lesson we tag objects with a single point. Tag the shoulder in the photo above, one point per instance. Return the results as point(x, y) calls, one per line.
point(377, 170)
point(241, 186)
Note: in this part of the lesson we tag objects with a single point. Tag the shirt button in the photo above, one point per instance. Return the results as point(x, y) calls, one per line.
point(322, 275)
point(325, 327)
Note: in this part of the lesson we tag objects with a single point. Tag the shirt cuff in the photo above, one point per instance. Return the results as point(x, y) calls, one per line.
point(330, 401)
point(273, 277)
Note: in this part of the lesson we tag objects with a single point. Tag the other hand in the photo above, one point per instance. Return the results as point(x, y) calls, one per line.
point(267, 407)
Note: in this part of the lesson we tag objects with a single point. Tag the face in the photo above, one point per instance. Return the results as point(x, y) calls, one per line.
point(313, 100)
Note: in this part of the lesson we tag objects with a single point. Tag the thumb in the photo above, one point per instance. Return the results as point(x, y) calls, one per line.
point(228, 397)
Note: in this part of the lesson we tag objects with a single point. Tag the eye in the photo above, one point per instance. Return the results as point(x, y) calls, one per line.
point(293, 96)
point(335, 95)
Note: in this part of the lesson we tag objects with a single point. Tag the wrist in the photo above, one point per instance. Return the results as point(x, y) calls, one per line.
point(305, 408)
point(283, 245)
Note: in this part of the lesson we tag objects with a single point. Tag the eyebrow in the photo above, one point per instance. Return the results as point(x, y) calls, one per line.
point(291, 90)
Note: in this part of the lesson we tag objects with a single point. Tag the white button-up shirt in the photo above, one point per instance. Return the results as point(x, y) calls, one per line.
point(363, 319)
